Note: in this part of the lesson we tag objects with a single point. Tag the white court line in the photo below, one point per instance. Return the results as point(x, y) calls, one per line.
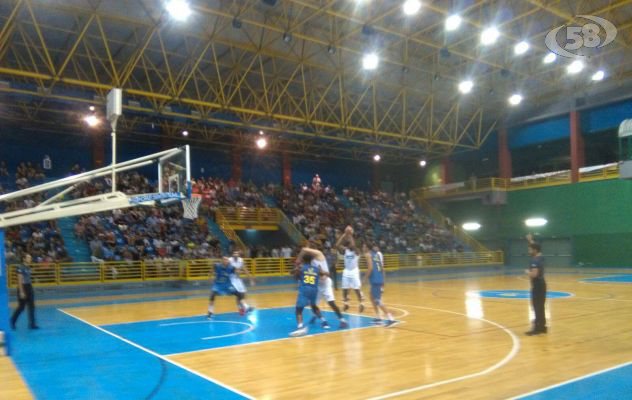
point(278, 340)
point(249, 328)
point(405, 313)
point(153, 353)
point(514, 350)
point(579, 378)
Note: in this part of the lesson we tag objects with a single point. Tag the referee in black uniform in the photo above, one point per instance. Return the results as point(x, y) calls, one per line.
point(26, 297)
point(538, 286)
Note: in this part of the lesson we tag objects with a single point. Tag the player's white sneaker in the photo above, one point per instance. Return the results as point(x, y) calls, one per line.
point(209, 316)
point(391, 323)
point(299, 332)
point(325, 325)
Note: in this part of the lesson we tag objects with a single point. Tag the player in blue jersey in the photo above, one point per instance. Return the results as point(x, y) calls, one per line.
point(308, 275)
point(222, 285)
point(325, 286)
point(375, 276)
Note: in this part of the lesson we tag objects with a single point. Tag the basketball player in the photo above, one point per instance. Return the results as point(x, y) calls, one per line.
point(375, 275)
point(325, 285)
point(235, 279)
point(538, 286)
point(351, 272)
point(222, 285)
point(308, 276)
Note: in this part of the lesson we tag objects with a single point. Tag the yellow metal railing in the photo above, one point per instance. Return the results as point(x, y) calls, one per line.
point(250, 216)
point(62, 274)
point(288, 227)
point(234, 218)
point(611, 172)
point(455, 230)
point(502, 184)
point(228, 230)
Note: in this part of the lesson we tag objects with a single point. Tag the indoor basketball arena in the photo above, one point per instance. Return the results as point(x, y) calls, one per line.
point(315, 199)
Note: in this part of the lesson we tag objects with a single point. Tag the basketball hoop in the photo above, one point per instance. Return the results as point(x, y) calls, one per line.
point(191, 206)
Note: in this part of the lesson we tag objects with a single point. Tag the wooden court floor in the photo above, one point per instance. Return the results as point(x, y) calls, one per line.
point(451, 343)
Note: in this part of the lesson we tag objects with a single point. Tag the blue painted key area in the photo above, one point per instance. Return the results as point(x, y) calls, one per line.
point(69, 359)
point(178, 335)
point(626, 278)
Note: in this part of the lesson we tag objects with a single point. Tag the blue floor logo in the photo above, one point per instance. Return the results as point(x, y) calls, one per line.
point(516, 294)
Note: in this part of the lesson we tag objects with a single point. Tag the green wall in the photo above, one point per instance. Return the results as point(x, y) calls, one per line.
point(597, 216)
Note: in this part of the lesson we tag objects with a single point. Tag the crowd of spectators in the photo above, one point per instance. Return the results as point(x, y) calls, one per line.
point(218, 193)
point(397, 225)
point(144, 233)
point(390, 220)
point(42, 240)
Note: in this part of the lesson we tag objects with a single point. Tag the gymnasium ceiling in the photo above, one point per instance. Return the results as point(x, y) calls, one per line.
point(293, 69)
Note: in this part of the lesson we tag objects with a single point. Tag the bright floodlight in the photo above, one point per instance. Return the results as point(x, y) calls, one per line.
point(179, 9)
point(370, 61)
point(422, 163)
point(521, 48)
point(534, 222)
point(262, 143)
point(515, 99)
point(185, 133)
point(452, 22)
point(412, 7)
point(261, 133)
point(599, 75)
point(91, 108)
point(466, 86)
point(91, 120)
point(575, 67)
point(377, 157)
point(549, 58)
point(471, 226)
point(489, 36)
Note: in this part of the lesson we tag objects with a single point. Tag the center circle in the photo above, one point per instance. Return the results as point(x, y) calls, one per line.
point(515, 294)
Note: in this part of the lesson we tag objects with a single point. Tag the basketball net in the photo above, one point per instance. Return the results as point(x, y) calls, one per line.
point(191, 206)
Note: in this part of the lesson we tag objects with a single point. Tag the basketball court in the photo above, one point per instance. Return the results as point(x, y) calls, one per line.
point(411, 111)
point(457, 336)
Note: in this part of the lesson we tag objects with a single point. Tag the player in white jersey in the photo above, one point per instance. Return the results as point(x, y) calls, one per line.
point(325, 286)
point(235, 279)
point(351, 272)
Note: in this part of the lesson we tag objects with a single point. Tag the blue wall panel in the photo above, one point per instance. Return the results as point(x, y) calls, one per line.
point(261, 168)
point(18, 146)
point(67, 150)
point(210, 163)
point(540, 132)
point(337, 173)
point(604, 118)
